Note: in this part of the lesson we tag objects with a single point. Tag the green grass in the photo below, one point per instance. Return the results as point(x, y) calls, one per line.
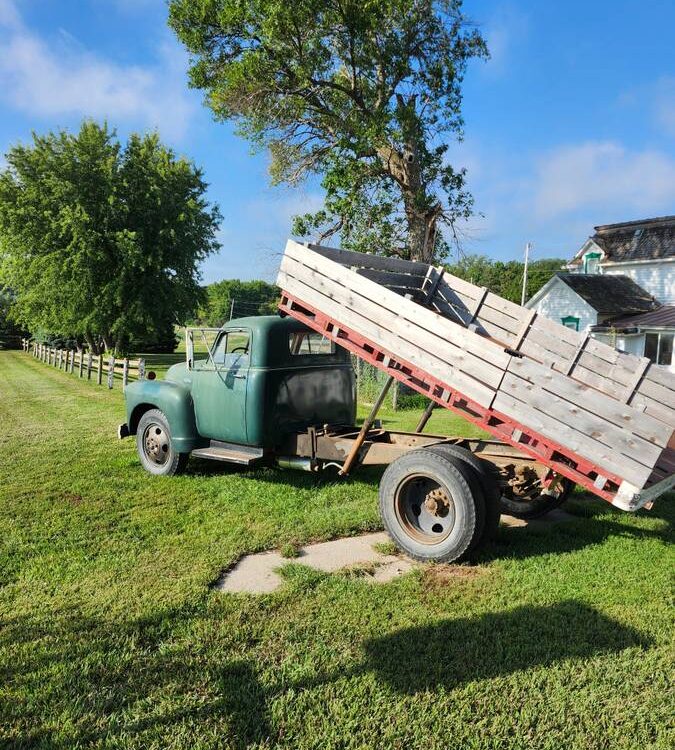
point(112, 636)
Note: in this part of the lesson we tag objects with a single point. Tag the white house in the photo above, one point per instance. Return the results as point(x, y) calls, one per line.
point(620, 287)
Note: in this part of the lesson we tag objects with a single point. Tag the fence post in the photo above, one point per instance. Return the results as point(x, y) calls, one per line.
point(125, 373)
point(89, 366)
point(72, 360)
point(59, 355)
point(99, 369)
point(81, 361)
point(141, 369)
point(111, 371)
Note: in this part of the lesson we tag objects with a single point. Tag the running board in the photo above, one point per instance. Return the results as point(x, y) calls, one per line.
point(232, 453)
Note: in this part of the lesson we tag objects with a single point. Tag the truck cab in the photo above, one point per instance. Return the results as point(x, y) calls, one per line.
point(263, 379)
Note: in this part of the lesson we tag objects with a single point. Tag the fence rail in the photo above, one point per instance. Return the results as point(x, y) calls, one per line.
point(86, 364)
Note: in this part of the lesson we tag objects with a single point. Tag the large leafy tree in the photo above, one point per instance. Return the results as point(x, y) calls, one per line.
point(101, 241)
point(365, 92)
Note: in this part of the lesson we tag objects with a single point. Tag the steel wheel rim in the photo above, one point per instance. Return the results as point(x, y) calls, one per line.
point(424, 509)
point(156, 444)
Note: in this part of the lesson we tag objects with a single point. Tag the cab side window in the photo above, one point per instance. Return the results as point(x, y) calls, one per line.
point(232, 350)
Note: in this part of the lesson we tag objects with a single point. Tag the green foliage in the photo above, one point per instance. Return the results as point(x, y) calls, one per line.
point(239, 299)
point(101, 242)
point(364, 93)
point(505, 278)
point(10, 332)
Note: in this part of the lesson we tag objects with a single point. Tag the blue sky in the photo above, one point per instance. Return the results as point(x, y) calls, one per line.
point(569, 125)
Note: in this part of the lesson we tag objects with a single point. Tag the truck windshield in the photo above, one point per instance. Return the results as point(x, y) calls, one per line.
point(309, 342)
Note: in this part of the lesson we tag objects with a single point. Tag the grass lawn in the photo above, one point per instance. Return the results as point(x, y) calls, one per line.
point(110, 635)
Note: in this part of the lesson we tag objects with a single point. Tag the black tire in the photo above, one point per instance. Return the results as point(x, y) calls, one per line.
point(539, 506)
point(429, 508)
point(155, 448)
point(485, 475)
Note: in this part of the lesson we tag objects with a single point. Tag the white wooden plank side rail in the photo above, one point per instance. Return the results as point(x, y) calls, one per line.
point(569, 388)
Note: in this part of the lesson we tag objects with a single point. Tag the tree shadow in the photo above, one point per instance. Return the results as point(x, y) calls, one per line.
point(143, 692)
point(495, 644)
point(109, 670)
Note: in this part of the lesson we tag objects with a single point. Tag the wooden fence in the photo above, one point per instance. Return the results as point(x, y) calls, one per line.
point(88, 365)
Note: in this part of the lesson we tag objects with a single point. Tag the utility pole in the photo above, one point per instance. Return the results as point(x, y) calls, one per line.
point(231, 309)
point(527, 260)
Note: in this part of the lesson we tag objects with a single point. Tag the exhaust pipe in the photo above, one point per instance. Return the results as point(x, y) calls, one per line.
point(297, 462)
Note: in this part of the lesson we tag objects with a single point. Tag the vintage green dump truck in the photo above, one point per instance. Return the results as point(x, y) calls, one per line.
point(564, 409)
point(273, 391)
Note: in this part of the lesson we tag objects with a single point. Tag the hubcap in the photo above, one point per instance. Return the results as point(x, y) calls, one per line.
point(156, 444)
point(424, 509)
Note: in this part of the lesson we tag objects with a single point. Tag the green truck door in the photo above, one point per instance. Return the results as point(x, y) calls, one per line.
point(219, 392)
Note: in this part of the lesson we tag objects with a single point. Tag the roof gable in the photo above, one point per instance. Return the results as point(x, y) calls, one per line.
point(648, 239)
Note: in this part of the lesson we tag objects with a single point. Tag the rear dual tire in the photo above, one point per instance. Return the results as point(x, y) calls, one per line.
point(433, 505)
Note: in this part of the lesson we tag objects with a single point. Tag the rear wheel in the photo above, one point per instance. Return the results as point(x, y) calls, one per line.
point(429, 508)
point(485, 477)
point(154, 445)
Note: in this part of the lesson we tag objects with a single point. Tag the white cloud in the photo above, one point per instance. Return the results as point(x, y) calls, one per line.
point(47, 80)
point(603, 176)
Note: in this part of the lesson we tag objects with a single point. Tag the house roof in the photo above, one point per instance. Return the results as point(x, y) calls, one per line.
point(648, 239)
point(662, 317)
point(613, 294)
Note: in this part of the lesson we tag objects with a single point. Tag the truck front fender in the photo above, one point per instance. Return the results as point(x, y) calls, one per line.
point(172, 399)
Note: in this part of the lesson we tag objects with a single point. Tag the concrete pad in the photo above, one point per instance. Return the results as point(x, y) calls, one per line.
point(256, 574)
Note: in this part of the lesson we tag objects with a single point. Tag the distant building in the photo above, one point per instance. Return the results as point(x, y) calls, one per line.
point(620, 288)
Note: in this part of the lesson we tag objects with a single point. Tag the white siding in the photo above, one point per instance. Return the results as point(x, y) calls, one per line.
point(560, 301)
point(657, 278)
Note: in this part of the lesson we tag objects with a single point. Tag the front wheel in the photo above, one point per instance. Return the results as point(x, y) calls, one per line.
point(428, 507)
point(155, 449)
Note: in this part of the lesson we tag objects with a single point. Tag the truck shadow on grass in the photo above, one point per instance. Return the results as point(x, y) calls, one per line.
point(147, 695)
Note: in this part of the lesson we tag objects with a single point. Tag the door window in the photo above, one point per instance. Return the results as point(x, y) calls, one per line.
point(232, 350)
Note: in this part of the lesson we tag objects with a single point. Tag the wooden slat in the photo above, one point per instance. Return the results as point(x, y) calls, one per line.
point(657, 392)
point(561, 433)
point(389, 313)
point(635, 449)
point(629, 419)
point(389, 279)
point(660, 375)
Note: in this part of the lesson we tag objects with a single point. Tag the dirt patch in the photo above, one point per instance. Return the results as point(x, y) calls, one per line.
point(441, 575)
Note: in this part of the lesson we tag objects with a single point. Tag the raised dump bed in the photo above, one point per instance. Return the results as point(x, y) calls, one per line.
point(604, 419)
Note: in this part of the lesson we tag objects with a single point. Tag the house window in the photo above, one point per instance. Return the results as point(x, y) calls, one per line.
point(659, 348)
point(592, 263)
point(569, 321)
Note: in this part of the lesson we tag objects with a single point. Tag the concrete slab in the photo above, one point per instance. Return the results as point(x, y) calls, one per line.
point(257, 574)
